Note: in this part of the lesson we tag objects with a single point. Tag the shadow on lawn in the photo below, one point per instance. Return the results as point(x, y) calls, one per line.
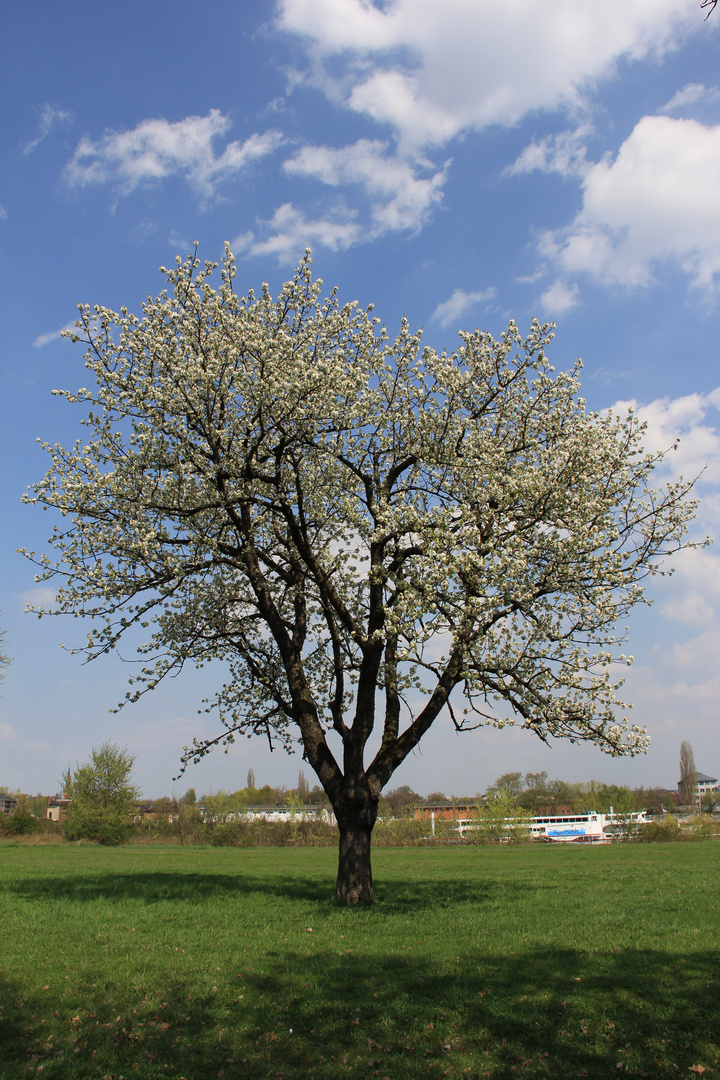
point(159, 886)
point(548, 1013)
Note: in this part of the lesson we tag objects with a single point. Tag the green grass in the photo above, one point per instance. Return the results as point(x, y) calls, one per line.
point(200, 963)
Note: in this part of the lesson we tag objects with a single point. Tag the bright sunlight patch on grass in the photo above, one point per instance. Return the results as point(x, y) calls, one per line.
point(201, 963)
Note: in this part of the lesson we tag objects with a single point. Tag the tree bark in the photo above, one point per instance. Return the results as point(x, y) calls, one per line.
point(356, 814)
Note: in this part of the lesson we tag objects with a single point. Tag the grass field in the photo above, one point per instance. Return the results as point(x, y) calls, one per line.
point(203, 962)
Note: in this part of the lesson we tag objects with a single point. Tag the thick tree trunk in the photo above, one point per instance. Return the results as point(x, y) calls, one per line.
point(355, 817)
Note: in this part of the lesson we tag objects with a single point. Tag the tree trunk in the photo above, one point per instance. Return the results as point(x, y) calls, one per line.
point(356, 816)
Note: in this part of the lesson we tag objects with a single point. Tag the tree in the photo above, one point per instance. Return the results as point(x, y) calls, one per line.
point(535, 793)
point(367, 534)
point(303, 788)
point(500, 820)
point(688, 775)
point(102, 796)
point(401, 801)
point(710, 800)
point(510, 783)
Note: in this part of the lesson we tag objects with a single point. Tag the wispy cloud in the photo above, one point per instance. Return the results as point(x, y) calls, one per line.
point(158, 148)
point(7, 734)
point(291, 232)
point(607, 375)
point(559, 298)
point(40, 597)
point(564, 153)
point(692, 94)
point(460, 304)
point(52, 335)
point(49, 118)
point(400, 196)
point(392, 193)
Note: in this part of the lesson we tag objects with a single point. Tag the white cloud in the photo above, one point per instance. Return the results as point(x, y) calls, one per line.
point(293, 232)
point(3, 212)
point(564, 153)
point(40, 597)
point(695, 590)
point(460, 303)
point(692, 94)
point(400, 199)
point(432, 70)
point(692, 609)
point(158, 148)
point(701, 652)
point(691, 597)
point(656, 201)
point(49, 118)
point(559, 298)
point(6, 733)
point(606, 375)
point(52, 335)
point(687, 421)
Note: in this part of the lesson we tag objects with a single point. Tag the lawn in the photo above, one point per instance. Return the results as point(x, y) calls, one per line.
point(200, 963)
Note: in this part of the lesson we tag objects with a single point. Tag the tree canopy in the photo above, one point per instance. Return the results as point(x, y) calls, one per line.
point(367, 533)
point(102, 796)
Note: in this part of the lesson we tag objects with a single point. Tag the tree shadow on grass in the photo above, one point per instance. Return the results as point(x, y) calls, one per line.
point(155, 886)
point(546, 1012)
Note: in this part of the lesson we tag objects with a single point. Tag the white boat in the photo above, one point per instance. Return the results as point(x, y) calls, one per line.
point(590, 828)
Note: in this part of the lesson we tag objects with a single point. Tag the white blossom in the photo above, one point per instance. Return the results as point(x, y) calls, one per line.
point(367, 532)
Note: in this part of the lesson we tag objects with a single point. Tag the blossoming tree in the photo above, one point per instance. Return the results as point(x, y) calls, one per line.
point(367, 534)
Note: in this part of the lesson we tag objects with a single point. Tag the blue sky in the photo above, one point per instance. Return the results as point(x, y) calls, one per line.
point(462, 164)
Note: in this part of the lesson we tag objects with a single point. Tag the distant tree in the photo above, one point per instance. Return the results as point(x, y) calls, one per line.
point(102, 796)
point(559, 794)
point(189, 820)
point(400, 801)
point(23, 822)
point(534, 794)
point(535, 781)
point(510, 783)
point(318, 796)
point(190, 798)
point(367, 534)
point(303, 788)
point(656, 800)
point(710, 800)
point(688, 775)
point(500, 819)
point(220, 807)
point(437, 797)
point(251, 778)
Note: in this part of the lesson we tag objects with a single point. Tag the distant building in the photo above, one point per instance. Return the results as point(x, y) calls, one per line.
point(57, 806)
point(704, 785)
point(269, 813)
point(7, 804)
